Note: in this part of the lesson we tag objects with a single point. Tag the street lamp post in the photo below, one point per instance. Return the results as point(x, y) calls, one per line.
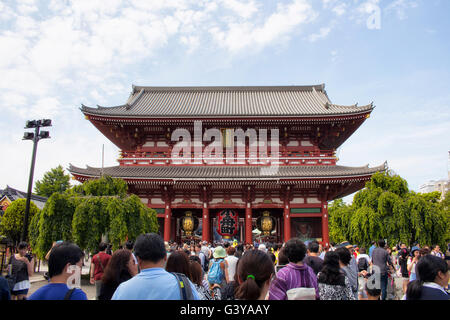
point(36, 136)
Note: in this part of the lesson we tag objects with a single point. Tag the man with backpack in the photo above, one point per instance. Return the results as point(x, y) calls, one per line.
point(382, 260)
point(203, 254)
point(363, 260)
point(154, 282)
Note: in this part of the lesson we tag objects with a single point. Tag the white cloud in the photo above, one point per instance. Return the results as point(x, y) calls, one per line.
point(340, 9)
point(277, 27)
point(244, 9)
point(400, 7)
point(323, 32)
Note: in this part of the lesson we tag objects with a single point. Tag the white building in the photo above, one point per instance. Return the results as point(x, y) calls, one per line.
point(443, 185)
point(440, 185)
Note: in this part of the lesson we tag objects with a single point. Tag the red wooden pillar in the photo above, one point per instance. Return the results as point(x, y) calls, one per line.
point(287, 222)
point(205, 223)
point(325, 232)
point(167, 222)
point(248, 224)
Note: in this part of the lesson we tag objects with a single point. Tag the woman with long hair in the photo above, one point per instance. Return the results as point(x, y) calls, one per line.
point(433, 275)
point(196, 277)
point(120, 268)
point(333, 283)
point(179, 262)
point(254, 273)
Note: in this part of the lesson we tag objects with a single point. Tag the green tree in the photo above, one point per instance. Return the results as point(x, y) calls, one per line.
point(339, 221)
point(53, 223)
point(11, 224)
point(387, 209)
point(105, 186)
point(86, 212)
point(53, 181)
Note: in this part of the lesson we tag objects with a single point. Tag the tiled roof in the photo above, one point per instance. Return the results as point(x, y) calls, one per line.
point(227, 101)
point(225, 172)
point(14, 194)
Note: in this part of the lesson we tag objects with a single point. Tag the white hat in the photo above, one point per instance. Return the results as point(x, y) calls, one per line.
point(262, 247)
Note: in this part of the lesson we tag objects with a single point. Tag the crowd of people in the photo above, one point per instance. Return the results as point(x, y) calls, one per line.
point(151, 269)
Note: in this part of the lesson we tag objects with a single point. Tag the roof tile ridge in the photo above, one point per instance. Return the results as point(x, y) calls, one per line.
point(229, 88)
point(319, 98)
point(129, 104)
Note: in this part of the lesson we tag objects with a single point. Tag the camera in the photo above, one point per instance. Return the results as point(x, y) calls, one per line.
point(29, 256)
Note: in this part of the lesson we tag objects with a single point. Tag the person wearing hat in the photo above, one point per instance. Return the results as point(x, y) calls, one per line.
point(262, 247)
point(415, 256)
point(218, 271)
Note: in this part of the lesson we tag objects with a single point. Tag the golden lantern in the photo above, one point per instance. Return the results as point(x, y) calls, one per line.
point(189, 223)
point(266, 223)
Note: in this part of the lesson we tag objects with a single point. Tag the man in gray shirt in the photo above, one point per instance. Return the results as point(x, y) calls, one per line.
point(381, 259)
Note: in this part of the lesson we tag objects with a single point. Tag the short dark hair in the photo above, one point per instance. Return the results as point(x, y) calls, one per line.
point(313, 247)
point(373, 292)
point(129, 245)
point(102, 246)
point(150, 247)
point(62, 254)
point(282, 258)
point(295, 250)
point(22, 245)
point(344, 255)
point(381, 243)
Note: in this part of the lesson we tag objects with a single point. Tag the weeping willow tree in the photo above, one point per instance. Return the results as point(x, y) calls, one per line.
point(387, 209)
point(83, 214)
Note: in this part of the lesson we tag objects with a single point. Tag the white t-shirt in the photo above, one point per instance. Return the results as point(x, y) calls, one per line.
point(363, 255)
point(232, 261)
point(412, 276)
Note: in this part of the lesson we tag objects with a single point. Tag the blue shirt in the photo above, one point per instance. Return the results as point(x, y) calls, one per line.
point(151, 284)
point(56, 291)
point(371, 250)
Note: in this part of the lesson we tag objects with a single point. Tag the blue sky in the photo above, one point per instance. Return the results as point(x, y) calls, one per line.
point(55, 55)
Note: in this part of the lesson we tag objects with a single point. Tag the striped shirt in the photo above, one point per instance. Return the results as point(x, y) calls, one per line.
point(290, 277)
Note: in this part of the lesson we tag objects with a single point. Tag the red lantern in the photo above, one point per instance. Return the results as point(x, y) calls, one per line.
point(227, 223)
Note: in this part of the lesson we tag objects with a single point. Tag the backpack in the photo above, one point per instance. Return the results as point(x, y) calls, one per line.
point(362, 264)
point(205, 263)
point(215, 273)
point(184, 285)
